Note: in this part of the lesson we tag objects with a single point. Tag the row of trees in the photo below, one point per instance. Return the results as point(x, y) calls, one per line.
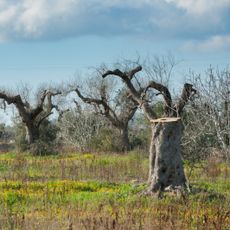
point(114, 98)
point(106, 98)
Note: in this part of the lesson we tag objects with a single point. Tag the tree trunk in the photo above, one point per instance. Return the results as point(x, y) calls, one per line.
point(32, 133)
point(152, 152)
point(124, 139)
point(166, 166)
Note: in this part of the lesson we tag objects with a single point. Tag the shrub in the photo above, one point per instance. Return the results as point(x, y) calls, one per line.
point(46, 144)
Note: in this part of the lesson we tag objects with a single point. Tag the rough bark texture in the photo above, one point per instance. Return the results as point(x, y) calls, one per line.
point(166, 167)
point(124, 139)
point(32, 133)
point(152, 152)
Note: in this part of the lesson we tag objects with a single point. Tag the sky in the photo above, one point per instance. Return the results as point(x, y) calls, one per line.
point(52, 40)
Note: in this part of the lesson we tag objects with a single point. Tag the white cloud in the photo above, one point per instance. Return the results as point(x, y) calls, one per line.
point(201, 6)
point(215, 43)
point(54, 19)
point(32, 19)
point(7, 15)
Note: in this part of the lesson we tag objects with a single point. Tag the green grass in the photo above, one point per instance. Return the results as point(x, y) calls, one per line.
point(102, 191)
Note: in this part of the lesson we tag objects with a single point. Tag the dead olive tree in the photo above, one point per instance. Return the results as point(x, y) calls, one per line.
point(115, 106)
point(165, 162)
point(31, 116)
point(212, 106)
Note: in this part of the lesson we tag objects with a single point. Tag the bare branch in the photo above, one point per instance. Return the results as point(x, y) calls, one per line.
point(87, 99)
point(108, 111)
point(137, 95)
point(36, 111)
point(132, 73)
point(187, 93)
point(32, 117)
point(11, 99)
point(42, 118)
point(116, 72)
point(165, 92)
point(50, 95)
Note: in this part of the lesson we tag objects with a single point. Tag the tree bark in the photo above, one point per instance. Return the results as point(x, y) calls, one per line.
point(165, 162)
point(32, 133)
point(166, 166)
point(152, 152)
point(124, 139)
point(32, 117)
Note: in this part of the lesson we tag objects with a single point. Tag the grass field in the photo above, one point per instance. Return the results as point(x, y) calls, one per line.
point(102, 191)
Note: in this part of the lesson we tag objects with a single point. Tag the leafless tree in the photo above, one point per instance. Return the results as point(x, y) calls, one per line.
point(31, 116)
point(116, 106)
point(166, 168)
point(212, 106)
point(78, 127)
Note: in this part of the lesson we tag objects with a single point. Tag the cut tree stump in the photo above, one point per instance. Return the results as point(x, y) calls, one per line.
point(165, 120)
point(166, 164)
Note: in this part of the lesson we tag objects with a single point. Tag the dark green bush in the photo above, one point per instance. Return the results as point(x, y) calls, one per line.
point(46, 144)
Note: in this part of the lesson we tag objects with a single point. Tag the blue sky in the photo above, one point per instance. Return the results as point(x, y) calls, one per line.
point(51, 40)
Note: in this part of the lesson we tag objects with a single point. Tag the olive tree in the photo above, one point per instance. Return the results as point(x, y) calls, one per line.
point(32, 116)
point(165, 162)
point(115, 105)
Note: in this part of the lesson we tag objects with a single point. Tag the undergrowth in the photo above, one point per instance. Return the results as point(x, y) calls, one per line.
point(102, 191)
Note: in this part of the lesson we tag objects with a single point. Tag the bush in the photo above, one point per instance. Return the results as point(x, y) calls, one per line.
point(105, 141)
point(41, 148)
point(46, 144)
point(80, 129)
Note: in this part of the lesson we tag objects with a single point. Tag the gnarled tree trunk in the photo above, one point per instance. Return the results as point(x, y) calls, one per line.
point(31, 117)
point(124, 139)
point(166, 166)
point(32, 133)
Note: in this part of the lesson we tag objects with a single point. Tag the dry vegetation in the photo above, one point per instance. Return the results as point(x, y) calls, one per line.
point(101, 191)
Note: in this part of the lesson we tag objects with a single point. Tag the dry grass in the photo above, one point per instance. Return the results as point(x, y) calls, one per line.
point(114, 168)
point(87, 191)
